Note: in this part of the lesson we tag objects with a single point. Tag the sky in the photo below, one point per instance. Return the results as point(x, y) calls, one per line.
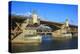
point(46, 11)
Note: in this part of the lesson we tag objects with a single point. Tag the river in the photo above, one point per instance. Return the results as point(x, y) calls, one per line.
point(47, 44)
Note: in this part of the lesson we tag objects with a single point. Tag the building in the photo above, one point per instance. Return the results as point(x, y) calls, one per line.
point(33, 27)
point(32, 30)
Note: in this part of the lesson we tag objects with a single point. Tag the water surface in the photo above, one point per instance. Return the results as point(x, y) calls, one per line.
point(47, 44)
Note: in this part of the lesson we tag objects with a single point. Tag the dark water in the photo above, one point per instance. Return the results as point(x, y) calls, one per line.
point(47, 44)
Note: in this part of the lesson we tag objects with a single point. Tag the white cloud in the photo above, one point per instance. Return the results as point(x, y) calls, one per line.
point(24, 14)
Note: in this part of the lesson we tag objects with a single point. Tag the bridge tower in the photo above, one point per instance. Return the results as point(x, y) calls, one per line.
point(35, 17)
point(67, 23)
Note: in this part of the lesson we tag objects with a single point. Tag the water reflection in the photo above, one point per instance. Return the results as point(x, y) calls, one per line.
point(47, 44)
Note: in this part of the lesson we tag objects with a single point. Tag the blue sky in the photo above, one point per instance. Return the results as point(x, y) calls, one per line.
point(49, 12)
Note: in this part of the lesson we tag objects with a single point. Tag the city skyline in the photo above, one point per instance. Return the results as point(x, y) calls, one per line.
point(46, 11)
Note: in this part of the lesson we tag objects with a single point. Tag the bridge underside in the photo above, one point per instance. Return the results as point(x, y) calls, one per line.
point(55, 26)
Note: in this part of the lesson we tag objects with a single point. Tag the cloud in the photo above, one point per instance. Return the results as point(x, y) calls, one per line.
point(24, 14)
point(27, 14)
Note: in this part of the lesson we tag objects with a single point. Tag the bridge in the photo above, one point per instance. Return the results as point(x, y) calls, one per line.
point(56, 26)
point(53, 25)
